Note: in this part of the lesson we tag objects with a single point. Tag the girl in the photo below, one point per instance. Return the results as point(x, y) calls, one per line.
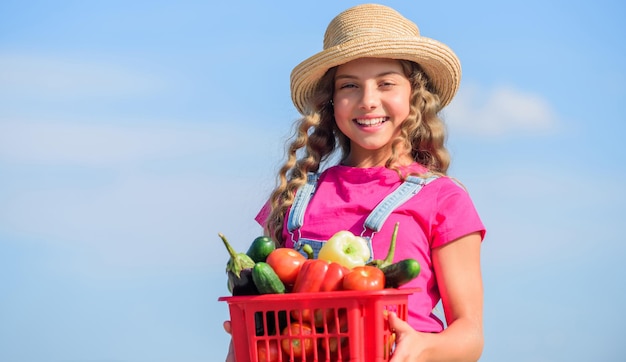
point(371, 100)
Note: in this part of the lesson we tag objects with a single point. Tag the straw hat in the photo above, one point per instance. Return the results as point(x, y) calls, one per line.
point(372, 30)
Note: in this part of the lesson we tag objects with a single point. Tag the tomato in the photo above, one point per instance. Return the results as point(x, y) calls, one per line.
point(268, 351)
point(317, 317)
point(365, 277)
point(298, 345)
point(286, 262)
point(337, 340)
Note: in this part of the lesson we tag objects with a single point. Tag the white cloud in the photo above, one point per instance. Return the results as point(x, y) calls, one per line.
point(499, 111)
point(71, 77)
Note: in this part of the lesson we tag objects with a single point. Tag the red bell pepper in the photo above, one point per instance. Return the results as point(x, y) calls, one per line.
point(317, 275)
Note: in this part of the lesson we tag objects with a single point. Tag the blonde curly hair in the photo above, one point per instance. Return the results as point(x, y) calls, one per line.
point(317, 137)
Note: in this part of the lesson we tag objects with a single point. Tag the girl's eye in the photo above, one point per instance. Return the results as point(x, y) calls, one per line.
point(347, 85)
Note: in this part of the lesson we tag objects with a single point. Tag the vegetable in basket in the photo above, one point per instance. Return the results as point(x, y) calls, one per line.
point(239, 271)
point(266, 279)
point(338, 338)
point(390, 253)
point(401, 272)
point(365, 277)
point(346, 249)
point(398, 273)
point(317, 275)
point(260, 248)
point(268, 350)
point(286, 263)
point(297, 340)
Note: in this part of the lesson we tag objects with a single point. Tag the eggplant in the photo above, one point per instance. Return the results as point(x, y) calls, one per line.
point(242, 284)
point(239, 271)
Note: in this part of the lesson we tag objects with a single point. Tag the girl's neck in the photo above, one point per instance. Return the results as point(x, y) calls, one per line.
point(374, 160)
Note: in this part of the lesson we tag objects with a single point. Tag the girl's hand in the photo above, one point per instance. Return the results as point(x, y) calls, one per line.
point(409, 342)
point(230, 357)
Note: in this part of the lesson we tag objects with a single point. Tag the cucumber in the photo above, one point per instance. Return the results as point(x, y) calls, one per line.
point(260, 248)
point(266, 279)
point(401, 272)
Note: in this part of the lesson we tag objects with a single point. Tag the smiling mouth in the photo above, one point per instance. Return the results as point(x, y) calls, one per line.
point(371, 121)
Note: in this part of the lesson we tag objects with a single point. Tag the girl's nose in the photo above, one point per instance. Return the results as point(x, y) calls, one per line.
point(370, 98)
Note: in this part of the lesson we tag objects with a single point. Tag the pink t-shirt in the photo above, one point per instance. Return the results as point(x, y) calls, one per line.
point(440, 213)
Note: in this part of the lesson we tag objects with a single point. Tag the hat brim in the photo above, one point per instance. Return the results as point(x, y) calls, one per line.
point(438, 61)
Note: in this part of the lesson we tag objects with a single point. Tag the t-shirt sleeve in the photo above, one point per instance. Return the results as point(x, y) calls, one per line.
point(455, 215)
point(263, 214)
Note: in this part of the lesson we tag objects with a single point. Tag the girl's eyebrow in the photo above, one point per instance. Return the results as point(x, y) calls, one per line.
point(344, 76)
point(348, 76)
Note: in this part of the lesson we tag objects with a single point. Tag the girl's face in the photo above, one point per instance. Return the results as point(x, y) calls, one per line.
point(371, 100)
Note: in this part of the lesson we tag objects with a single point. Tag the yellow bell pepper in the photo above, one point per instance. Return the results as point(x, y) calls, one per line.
point(346, 249)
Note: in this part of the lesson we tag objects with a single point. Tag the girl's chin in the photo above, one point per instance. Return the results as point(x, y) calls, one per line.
point(373, 149)
point(373, 145)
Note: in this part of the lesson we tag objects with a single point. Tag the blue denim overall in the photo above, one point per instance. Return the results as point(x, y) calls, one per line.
point(374, 222)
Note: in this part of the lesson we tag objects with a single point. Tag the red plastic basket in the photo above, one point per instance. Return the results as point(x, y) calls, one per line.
point(329, 326)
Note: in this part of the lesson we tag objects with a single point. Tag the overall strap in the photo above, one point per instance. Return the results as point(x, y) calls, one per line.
point(409, 188)
point(300, 202)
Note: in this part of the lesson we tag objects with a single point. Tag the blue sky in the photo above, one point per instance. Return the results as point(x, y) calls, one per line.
point(132, 132)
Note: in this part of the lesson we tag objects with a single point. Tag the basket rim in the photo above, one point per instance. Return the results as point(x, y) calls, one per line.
point(320, 295)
